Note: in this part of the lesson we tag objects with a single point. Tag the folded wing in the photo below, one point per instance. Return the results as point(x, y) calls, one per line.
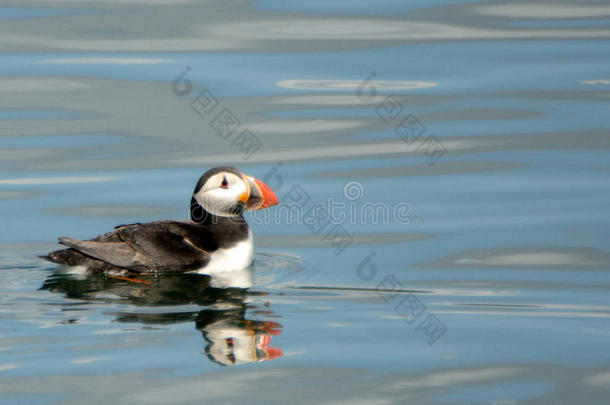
point(155, 246)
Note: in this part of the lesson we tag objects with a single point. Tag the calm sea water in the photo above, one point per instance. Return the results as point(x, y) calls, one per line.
point(459, 150)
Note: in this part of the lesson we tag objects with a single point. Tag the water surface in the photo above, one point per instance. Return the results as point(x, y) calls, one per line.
point(475, 266)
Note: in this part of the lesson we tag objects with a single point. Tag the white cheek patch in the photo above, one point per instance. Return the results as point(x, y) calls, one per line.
point(220, 201)
point(215, 201)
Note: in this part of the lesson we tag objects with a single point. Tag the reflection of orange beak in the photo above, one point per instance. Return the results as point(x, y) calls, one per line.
point(260, 196)
point(270, 352)
point(274, 353)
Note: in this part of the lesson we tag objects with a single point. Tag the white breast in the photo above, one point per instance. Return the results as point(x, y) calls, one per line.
point(235, 258)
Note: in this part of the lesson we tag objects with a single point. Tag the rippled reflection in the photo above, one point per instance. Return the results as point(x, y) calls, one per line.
point(231, 337)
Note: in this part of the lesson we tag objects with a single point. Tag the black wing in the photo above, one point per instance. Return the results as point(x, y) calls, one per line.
point(155, 246)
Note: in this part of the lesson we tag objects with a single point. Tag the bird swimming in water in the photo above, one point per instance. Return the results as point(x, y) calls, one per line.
point(215, 240)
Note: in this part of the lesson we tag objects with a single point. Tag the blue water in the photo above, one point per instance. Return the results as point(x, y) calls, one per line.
point(476, 272)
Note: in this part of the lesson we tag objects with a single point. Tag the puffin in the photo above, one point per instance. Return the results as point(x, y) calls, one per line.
point(216, 239)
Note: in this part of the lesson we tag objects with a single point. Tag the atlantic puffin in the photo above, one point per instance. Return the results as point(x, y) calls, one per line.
point(216, 239)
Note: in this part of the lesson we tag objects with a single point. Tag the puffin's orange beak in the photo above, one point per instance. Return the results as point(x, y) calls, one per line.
point(260, 196)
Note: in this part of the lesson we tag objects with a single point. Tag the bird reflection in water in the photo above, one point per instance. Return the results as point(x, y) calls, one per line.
point(231, 339)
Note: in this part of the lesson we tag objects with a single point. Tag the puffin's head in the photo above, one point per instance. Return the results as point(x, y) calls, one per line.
point(227, 192)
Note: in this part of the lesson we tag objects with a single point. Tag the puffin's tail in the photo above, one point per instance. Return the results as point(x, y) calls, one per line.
point(67, 257)
point(48, 258)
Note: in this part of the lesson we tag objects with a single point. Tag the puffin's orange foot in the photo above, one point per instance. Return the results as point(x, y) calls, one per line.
point(133, 280)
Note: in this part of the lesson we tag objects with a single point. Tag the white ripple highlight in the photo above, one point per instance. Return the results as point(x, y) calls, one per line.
point(55, 180)
point(106, 61)
point(543, 10)
point(6, 367)
point(353, 84)
point(596, 82)
point(12, 84)
point(325, 152)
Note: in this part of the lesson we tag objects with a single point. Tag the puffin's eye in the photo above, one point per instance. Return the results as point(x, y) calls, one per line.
point(225, 183)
